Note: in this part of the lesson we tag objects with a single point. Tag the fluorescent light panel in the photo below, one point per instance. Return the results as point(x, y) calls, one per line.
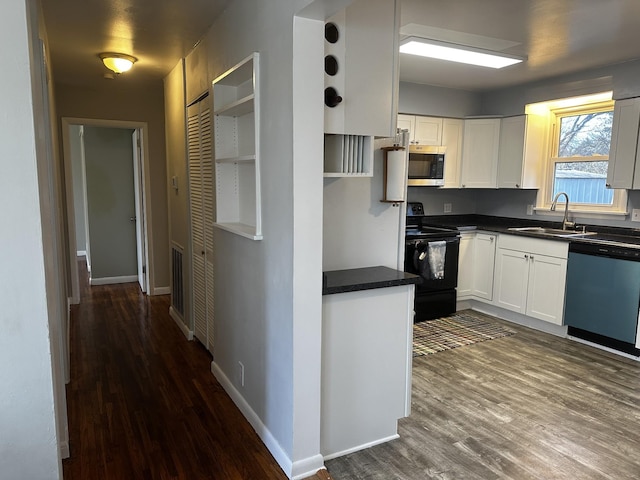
point(456, 53)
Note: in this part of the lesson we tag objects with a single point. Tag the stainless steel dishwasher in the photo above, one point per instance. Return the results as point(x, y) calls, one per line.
point(603, 295)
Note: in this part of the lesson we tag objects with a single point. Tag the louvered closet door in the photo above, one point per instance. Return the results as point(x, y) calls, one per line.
point(196, 204)
point(206, 154)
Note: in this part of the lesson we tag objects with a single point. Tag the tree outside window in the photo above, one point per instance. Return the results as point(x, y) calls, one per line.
point(581, 157)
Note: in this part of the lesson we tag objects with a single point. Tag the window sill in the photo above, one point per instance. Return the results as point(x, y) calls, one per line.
point(582, 213)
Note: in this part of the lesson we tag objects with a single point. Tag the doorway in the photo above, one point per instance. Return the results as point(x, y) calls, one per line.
point(106, 200)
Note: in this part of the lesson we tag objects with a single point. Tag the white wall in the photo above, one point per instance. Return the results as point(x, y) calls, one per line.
point(358, 229)
point(255, 295)
point(421, 99)
point(28, 448)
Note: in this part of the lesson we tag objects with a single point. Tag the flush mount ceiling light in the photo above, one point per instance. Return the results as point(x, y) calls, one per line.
point(117, 62)
point(457, 53)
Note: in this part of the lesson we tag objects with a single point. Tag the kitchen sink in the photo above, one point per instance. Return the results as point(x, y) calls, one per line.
point(556, 232)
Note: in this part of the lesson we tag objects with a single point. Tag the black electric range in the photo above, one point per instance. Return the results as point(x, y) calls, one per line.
point(432, 253)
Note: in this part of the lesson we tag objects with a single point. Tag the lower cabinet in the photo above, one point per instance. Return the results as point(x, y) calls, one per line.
point(530, 277)
point(475, 265)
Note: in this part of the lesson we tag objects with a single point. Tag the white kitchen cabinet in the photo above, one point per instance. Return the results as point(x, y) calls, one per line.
point(367, 77)
point(623, 155)
point(452, 136)
point(481, 141)
point(236, 102)
point(422, 130)
point(522, 151)
point(366, 345)
point(476, 266)
point(407, 122)
point(465, 265)
point(483, 262)
point(530, 276)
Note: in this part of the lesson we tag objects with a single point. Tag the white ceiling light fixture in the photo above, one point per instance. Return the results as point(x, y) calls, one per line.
point(117, 62)
point(457, 53)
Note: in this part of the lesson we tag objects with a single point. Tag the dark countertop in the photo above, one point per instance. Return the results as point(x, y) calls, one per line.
point(355, 279)
point(615, 236)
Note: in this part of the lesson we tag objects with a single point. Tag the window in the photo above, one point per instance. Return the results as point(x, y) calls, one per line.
point(579, 158)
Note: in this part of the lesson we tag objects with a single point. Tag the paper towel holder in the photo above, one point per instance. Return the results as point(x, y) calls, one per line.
point(391, 194)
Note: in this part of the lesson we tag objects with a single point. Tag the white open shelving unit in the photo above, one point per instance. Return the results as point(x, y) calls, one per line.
point(236, 109)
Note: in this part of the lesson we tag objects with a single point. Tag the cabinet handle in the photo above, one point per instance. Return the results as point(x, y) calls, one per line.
point(526, 257)
point(608, 185)
point(517, 185)
point(531, 258)
point(491, 239)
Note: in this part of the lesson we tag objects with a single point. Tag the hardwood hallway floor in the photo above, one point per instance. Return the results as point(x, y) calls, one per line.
point(142, 401)
point(531, 406)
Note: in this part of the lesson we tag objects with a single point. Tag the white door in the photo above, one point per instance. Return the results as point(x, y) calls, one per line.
point(202, 207)
point(512, 274)
point(465, 265)
point(547, 278)
point(428, 130)
point(139, 218)
point(480, 153)
point(483, 264)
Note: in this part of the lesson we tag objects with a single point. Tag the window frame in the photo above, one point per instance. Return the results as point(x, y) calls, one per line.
point(544, 200)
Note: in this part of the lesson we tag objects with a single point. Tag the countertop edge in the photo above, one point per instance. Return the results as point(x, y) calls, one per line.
point(366, 278)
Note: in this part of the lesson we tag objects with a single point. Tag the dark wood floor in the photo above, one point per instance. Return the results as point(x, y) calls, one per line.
point(142, 401)
point(529, 406)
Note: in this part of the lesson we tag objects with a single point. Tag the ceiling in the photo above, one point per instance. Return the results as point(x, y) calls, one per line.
point(557, 36)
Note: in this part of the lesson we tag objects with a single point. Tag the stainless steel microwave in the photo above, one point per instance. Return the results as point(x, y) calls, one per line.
point(426, 165)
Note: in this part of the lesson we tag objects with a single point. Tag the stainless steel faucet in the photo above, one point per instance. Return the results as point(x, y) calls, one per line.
point(565, 220)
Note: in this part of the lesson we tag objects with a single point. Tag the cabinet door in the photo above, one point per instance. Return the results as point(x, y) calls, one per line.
point(483, 265)
point(512, 275)
point(511, 154)
point(624, 143)
point(465, 266)
point(545, 291)
point(428, 131)
point(452, 131)
point(408, 122)
point(480, 153)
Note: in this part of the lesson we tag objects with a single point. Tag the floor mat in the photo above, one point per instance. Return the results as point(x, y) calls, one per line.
point(463, 328)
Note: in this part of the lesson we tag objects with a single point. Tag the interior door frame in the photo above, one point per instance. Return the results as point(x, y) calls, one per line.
point(68, 178)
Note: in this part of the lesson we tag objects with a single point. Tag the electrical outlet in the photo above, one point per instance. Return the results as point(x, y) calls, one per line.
point(241, 374)
point(447, 208)
point(635, 215)
point(529, 209)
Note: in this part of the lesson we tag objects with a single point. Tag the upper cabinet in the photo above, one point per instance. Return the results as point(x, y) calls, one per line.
point(452, 137)
point(522, 150)
point(481, 142)
point(364, 69)
point(236, 104)
point(623, 156)
point(196, 73)
point(422, 130)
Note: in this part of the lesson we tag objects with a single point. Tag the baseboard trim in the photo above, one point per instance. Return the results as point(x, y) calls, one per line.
point(113, 280)
point(161, 291)
point(180, 322)
point(361, 447)
point(525, 321)
point(254, 420)
point(81, 253)
point(65, 451)
point(307, 467)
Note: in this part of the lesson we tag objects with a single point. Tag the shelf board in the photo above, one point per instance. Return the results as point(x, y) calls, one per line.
point(240, 159)
point(345, 175)
point(238, 108)
point(247, 231)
